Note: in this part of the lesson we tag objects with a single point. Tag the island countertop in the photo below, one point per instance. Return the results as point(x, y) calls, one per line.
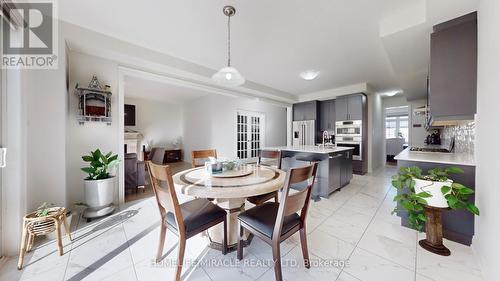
point(309, 148)
point(453, 158)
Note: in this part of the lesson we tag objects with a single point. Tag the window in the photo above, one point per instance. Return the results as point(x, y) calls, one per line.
point(249, 134)
point(396, 126)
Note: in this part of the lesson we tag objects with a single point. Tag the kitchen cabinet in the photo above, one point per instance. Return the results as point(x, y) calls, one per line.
point(341, 113)
point(453, 68)
point(346, 168)
point(350, 107)
point(327, 115)
point(334, 169)
point(305, 111)
point(355, 107)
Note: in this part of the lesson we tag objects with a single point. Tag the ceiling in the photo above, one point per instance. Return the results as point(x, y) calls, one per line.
point(273, 41)
point(141, 88)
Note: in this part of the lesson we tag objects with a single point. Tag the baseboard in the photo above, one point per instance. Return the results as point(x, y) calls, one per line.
point(3, 260)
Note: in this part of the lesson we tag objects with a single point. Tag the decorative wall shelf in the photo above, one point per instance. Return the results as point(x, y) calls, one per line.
point(94, 103)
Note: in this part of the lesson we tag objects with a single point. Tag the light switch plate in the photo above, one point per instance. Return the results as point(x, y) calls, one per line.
point(3, 157)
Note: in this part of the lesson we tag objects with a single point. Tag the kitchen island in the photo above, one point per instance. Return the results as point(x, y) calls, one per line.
point(334, 170)
point(458, 225)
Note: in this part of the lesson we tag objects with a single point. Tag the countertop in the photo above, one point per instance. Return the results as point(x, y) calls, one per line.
point(453, 158)
point(310, 148)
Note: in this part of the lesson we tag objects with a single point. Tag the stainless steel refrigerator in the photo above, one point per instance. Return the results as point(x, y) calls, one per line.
point(304, 132)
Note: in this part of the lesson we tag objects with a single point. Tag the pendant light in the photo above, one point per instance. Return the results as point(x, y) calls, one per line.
point(229, 76)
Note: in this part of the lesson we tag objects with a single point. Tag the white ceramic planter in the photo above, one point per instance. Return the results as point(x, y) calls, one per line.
point(434, 188)
point(99, 193)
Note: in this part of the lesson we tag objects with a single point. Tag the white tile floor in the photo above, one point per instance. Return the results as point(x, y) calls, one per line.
point(352, 236)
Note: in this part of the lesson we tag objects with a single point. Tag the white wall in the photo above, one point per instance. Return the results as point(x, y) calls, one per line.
point(14, 175)
point(376, 133)
point(81, 139)
point(160, 123)
point(487, 136)
point(210, 122)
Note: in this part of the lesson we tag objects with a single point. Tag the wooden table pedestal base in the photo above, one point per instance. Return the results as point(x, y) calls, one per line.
point(434, 232)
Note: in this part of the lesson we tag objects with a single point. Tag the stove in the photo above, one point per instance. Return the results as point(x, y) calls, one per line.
point(429, 149)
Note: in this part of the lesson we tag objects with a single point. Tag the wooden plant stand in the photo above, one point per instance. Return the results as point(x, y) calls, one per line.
point(36, 226)
point(434, 232)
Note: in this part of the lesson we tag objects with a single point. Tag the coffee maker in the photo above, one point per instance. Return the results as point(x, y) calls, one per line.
point(434, 138)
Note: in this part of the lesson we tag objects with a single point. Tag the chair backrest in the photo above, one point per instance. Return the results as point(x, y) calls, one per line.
point(394, 146)
point(166, 197)
point(298, 201)
point(157, 154)
point(201, 154)
point(269, 154)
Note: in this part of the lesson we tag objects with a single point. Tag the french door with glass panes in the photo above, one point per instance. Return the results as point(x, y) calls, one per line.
point(249, 134)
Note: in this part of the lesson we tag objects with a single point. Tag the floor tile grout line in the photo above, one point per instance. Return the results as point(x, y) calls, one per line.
point(354, 248)
point(371, 221)
point(364, 232)
point(206, 273)
point(130, 251)
point(71, 248)
point(316, 228)
point(98, 235)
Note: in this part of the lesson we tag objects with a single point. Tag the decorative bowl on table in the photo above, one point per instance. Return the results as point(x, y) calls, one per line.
point(214, 168)
point(237, 171)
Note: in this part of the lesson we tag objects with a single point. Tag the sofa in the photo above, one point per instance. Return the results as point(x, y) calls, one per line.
point(135, 173)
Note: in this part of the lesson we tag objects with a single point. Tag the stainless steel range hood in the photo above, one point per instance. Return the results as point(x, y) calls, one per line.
point(444, 121)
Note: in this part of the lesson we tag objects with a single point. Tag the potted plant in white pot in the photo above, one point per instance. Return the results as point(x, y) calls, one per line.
point(424, 196)
point(99, 184)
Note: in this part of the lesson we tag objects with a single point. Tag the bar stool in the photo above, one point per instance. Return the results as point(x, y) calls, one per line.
point(36, 226)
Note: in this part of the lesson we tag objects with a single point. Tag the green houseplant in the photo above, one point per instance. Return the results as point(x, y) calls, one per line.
point(99, 183)
point(99, 164)
point(44, 209)
point(417, 190)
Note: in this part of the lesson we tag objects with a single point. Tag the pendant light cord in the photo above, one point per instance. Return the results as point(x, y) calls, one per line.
point(229, 41)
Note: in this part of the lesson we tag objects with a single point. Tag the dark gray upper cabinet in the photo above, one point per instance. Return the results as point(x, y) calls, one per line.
point(355, 107)
point(341, 113)
point(331, 115)
point(324, 112)
point(453, 68)
point(305, 111)
point(349, 107)
point(327, 115)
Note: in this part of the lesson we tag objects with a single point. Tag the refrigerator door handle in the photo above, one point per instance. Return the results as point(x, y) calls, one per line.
point(303, 134)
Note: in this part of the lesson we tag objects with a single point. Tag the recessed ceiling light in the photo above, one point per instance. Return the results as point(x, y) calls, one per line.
point(309, 74)
point(392, 93)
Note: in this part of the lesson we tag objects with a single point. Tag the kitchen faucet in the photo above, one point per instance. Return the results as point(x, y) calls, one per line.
point(327, 136)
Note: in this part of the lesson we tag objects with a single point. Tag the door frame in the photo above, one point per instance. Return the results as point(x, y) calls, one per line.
point(262, 130)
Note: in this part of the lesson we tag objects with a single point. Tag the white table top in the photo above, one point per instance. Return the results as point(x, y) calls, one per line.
point(195, 182)
point(464, 159)
point(309, 148)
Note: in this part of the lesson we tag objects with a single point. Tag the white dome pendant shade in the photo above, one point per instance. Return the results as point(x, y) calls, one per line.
point(229, 76)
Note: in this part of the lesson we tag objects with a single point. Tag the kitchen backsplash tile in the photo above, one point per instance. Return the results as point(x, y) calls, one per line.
point(464, 136)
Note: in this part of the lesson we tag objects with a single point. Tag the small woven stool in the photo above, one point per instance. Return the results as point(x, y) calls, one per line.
point(36, 226)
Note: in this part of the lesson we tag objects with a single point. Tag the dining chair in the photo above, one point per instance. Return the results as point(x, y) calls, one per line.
point(185, 220)
point(201, 154)
point(264, 155)
point(157, 155)
point(275, 222)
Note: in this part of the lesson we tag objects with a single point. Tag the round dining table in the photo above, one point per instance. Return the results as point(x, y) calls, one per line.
point(229, 191)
